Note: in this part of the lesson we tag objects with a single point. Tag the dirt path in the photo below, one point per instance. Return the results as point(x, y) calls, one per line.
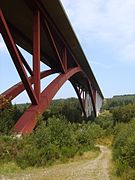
point(97, 169)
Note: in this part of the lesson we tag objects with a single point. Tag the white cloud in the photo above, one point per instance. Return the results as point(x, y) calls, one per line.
point(111, 21)
point(113, 17)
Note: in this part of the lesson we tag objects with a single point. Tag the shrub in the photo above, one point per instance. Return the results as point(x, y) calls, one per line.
point(129, 174)
point(8, 149)
point(124, 113)
point(105, 120)
point(56, 139)
point(70, 108)
point(59, 139)
point(124, 147)
point(8, 117)
point(68, 152)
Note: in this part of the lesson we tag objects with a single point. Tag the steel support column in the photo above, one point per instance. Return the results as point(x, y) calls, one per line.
point(53, 44)
point(25, 63)
point(79, 92)
point(92, 97)
point(36, 53)
point(16, 57)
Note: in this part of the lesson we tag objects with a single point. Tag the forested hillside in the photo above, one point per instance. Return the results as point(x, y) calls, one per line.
point(116, 101)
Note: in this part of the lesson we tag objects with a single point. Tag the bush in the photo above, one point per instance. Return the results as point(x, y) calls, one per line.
point(59, 139)
point(32, 156)
point(129, 175)
point(8, 117)
point(8, 149)
point(56, 139)
point(70, 108)
point(124, 147)
point(105, 120)
point(124, 113)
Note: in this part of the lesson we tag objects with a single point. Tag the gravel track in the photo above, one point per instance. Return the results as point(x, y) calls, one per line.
point(97, 169)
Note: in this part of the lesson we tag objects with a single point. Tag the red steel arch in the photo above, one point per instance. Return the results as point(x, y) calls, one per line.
point(29, 119)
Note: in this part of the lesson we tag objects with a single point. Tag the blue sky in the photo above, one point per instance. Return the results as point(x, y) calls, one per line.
point(106, 32)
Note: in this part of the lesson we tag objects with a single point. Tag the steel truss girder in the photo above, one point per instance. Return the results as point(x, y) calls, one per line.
point(50, 27)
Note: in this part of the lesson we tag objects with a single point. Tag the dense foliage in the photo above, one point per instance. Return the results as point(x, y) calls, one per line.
point(70, 108)
point(124, 150)
point(121, 116)
point(105, 120)
point(122, 109)
point(9, 116)
point(118, 101)
point(124, 113)
point(59, 139)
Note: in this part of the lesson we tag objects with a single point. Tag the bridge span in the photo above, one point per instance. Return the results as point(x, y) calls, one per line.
point(41, 27)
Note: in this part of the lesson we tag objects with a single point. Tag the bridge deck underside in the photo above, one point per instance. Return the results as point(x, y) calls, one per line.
point(19, 15)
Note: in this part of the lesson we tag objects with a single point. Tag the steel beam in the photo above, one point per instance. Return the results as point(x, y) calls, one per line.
point(37, 4)
point(25, 63)
point(52, 42)
point(92, 97)
point(18, 88)
point(79, 96)
point(65, 59)
point(36, 53)
point(16, 57)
